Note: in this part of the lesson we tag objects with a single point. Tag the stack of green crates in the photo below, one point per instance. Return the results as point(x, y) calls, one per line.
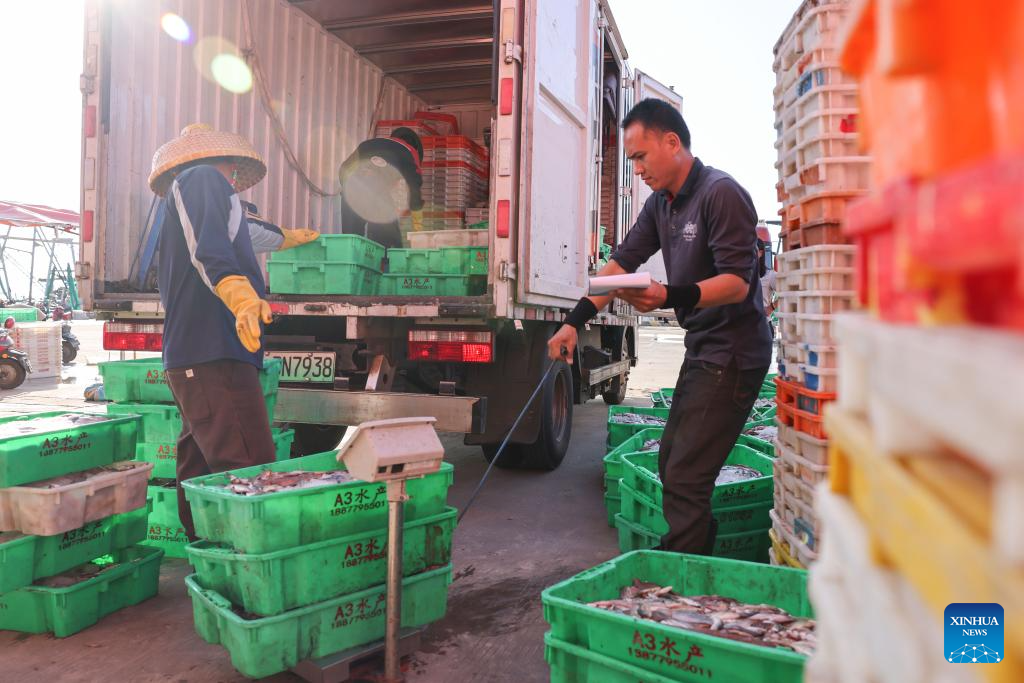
point(20, 315)
point(68, 581)
point(306, 566)
point(448, 271)
point(587, 643)
point(741, 508)
point(331, 264)
point(139, 387)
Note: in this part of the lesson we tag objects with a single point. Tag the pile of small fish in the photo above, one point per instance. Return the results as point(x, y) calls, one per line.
point(714, 615)
point(269, 482)
point(637, 419)
point(82, 572)
point(730, 474)
point(762, 404)
point(651, 445)
point(763, 432)
point(51, 423)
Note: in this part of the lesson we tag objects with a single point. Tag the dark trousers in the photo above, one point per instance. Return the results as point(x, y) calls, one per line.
point(224, 423)
point(710, 405)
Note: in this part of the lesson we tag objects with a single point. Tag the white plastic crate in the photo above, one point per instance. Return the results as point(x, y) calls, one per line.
point(814, 329)
point(797, 548)
point(789, 326)
point(835, 98)
point(824, 148)
point(435, 239)
point(826, 279)
point(819, 355)
point(788, 301)
point(48, 508)
point(824, 302)
point(811, 473)
point(812, 448)
point(820, 379)
point(826, 256)
point(42, 342)
point(837, 174)
point(826, 125)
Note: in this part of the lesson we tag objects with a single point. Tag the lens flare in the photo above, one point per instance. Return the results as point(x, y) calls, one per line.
point(175, 27)
point(231, 73)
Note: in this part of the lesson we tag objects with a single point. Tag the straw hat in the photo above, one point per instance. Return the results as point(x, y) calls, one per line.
point(200, 141)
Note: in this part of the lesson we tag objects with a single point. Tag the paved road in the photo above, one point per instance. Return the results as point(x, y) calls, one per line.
point(527, 531)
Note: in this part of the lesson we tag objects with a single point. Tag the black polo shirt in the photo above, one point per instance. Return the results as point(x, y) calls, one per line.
point(708, 229)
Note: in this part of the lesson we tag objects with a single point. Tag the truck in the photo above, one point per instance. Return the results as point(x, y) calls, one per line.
point(542, 85)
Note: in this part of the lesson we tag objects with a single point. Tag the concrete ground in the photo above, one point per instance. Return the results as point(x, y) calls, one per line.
point(526, 531)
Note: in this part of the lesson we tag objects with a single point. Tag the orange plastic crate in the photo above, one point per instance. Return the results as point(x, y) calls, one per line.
point(785, 414)
point(941, 85)
point(809, 424)
point(785, 392)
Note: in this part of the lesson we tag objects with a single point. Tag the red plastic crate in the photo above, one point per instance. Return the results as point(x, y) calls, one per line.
point(785, 414)
point(809, 424)
point(785, 392)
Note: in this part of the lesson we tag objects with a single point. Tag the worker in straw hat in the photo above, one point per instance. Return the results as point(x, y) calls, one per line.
point(212, 291)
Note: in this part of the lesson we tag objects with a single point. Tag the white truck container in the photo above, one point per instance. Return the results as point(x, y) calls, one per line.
point(523, 77)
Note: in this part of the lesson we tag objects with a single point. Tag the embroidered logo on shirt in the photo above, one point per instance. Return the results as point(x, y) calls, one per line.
point(690, 232)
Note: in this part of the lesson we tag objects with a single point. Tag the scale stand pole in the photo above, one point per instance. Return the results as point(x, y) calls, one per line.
point(396, 515)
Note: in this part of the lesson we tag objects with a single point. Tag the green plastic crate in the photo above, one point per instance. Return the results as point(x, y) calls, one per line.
point(34, 457)
point(285, 519)
point(164, 455)
point(349, 249)
point(641, 474)
point(442, 261)
point(749, 546)
point(163, 528)
point(144, 380)
point(272, 583)
point(759, 423)
point(574, 664)
point(662, 398)
point(266, 646)
point(24, 559)
point(161, 423)
point(617, 433)
point(759, 445)
point(628, 639)
point(418, 284)
point(64, 611)
point(612, 505)
point(634, 444)
point(413, 260)
point(640, 509)
point(323, 278)
point(20, 315)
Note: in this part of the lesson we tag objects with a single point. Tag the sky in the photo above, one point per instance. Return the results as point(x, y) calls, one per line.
point(716, 53)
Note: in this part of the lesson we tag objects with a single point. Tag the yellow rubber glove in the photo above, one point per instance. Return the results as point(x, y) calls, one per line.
point(417, 221)
point(293, 237)
point(247, 307)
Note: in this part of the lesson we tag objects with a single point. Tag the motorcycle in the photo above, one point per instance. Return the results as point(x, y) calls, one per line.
point(69, 343)
point(14, 363)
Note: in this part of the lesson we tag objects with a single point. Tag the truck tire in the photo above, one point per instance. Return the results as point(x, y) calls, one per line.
point(548, 451)
point(616, 393)
point(313, 438)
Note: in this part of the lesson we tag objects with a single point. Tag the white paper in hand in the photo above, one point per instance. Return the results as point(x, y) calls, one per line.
point(603, 284)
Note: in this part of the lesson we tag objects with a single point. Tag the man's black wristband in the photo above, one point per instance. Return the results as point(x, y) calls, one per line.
point(682, 297)
point(584, 311)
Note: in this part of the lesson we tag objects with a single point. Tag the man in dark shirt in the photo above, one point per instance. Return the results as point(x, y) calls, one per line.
point(372, 176)
point(212, 292)
point(704, 223)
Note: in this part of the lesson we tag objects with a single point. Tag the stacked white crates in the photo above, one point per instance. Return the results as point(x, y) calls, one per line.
point(42, 342)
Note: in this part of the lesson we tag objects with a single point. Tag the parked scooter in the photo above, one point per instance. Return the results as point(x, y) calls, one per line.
point(69, 343)
point(14, 364)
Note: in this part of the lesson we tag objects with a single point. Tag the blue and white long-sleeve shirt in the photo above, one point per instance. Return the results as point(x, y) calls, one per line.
point(205, 238)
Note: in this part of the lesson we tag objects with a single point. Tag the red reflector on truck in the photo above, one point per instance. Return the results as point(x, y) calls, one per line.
point(87, 225)
point(455, 346)
point(504, 207)
point(133, 337)
point(89, 123)
point(505, 99)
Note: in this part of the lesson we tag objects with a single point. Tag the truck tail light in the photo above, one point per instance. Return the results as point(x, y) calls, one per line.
point(133, 336)
point(456, 346)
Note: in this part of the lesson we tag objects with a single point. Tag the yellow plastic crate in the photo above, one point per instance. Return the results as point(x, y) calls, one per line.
point(924, 534)
point(781, 549)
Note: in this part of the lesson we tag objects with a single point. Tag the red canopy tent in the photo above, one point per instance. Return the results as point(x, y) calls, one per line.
point(29, 215)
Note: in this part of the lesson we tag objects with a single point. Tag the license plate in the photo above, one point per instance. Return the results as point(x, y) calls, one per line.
point(301, 366)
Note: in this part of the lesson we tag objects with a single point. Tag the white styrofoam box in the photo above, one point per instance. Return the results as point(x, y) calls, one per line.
point(826, 279)
point(815, 329)
point(819, 379)
point(42, 342)
point(819, 356)
point(827, 256)
point(825, 301)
